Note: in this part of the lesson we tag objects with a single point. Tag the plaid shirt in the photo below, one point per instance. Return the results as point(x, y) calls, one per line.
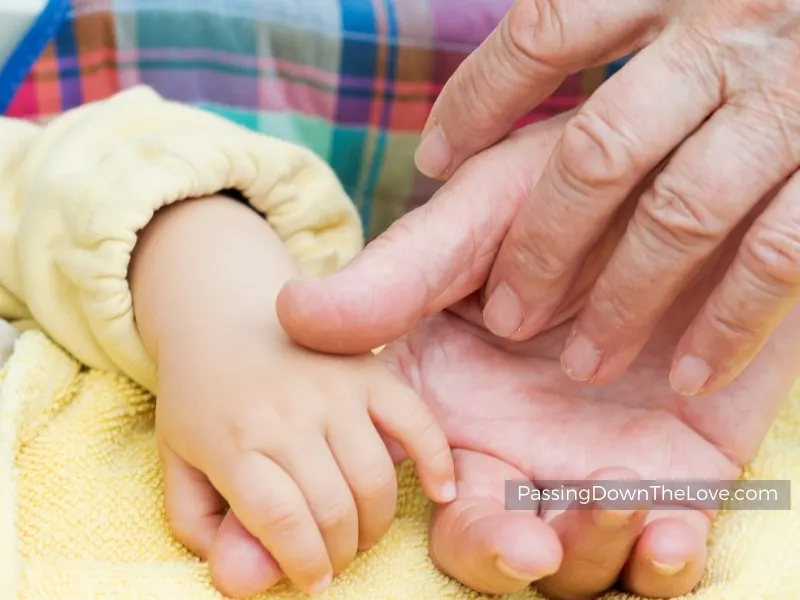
point(354, 80)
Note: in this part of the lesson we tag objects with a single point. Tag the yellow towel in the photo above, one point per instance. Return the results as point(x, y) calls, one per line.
point(81, 508)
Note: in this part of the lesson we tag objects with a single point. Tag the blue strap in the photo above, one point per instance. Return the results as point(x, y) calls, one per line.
point(30, 49)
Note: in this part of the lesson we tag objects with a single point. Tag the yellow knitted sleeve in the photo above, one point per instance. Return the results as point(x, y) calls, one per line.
point(75, 193)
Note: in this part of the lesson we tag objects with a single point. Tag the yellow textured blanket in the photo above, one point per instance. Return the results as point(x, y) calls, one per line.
point(81, 508)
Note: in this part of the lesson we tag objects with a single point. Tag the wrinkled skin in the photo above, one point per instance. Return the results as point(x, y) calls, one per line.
point(514, 414)
point(710, 99)
point(510, 412)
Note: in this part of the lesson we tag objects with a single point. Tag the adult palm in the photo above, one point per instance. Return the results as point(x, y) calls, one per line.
point(511, 413)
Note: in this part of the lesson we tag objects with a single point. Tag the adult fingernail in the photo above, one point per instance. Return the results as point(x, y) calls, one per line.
point(503, 314)
point(434, 156)
point(507, 568)
point(690, 375)
point(667, 569)
point(580, 359)
point(321, 586)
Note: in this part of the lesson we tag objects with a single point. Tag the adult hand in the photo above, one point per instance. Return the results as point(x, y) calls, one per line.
point(712, 101)
point(430, 259)
point(637, 425)
point(510, 413)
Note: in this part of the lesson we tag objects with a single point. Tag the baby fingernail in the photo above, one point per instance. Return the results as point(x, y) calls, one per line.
point(321, 586)
point(690, 375)
point(434, 156)
point(503, 314)
point(448, 492)
point(580, 359)
point(667, 569)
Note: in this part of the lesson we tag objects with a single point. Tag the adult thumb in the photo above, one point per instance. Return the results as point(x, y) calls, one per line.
point(419, 266)
point(430, 259)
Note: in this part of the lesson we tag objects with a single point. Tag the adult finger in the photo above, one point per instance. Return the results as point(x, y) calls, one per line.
point(523, 61)
point(607, 148)
point(758, 291)
point(426, 261)
point(403, 416)
point(712, 182)
point(478, 542)
point(240, 565)
point(315, 470)
point(670, 556)
point(597, 540)
point(366, 465)
point(272, 507)
point(194, 508)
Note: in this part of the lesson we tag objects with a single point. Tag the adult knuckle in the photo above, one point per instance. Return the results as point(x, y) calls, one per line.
point(594, 152)
point(617, 312)
point(534, 30)
point(730, 327)
point(469, 87)
point(776, 112)
point(695, 58)
point(675, 216)
point(531, 259)
point(772, 253)
point(761, 10)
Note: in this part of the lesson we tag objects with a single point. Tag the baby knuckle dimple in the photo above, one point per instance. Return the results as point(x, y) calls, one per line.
point(426, 426)
point(441, 458)
point(672, 212)
point(594, 153)
point(240, 436)
point(334, 515)
point(375, 483)
point(278, 518)
point(772, 253)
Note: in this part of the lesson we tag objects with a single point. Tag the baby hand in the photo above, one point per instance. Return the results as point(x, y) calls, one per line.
point(292, 441)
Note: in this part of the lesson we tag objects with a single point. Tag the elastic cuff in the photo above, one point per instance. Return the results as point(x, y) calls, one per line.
point(140, 154)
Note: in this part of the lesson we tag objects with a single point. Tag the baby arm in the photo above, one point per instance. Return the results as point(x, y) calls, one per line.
point(288, 438)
